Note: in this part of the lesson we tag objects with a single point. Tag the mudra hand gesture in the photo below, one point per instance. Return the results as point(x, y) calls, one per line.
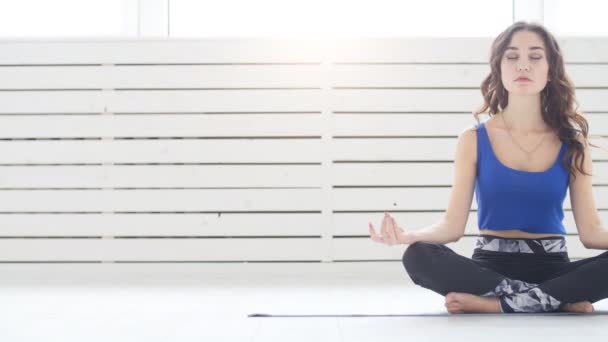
point(392, 234)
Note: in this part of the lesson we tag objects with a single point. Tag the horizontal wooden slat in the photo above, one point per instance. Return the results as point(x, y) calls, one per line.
point(397, 124)
point(214, 200)
point(346, 249)
point(158, 176)
point(235, 150)
point(404, 100)
point(415, 149)
point(170, 125)
point(248, 200)
point(160, 76)
point(162, 151)
point(250, 125)
point(356, 224)
point(226, 224)
point(212, 249)
point(427, 124)
point(379, 149)
point(585, 75)
point(159, 51)
point(234, 176)
point(419, 174)
point(167, 225)
point(265, 76)
point(84, 101)
point(222, 250)
point(235, 125)
point(366, 249)
point(447, 100)
point(275, 50)
point(408, 75)
point(161, 101)
point(364, 199)
point(286, 100)
point(445, 75)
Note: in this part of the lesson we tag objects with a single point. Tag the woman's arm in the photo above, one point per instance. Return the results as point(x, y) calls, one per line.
point(588, 223)
point(452, 227)
point(441, 232)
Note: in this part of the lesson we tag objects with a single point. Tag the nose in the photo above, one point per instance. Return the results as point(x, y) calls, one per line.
point(520, 67)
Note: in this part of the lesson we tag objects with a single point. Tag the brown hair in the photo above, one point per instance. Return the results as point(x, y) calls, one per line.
point(559, 105)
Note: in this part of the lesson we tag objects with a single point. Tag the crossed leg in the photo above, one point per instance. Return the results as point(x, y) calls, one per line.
point(581, 280)
point(461, 280)
point(468, 286)
point(574, 288)
point(440, 269)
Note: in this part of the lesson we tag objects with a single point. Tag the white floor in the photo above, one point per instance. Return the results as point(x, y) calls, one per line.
point(210, 302)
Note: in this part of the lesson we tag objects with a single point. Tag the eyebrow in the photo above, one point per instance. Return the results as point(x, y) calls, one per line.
point(531, 48)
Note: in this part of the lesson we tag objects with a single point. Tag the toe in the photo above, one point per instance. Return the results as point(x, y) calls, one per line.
point(451, 297)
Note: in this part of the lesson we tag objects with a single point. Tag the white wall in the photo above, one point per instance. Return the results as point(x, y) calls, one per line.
point(244, 149)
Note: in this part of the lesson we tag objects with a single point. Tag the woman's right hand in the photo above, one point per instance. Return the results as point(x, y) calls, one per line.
point(392, 234)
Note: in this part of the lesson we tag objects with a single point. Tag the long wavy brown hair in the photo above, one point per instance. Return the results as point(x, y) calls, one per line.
point(559, 105)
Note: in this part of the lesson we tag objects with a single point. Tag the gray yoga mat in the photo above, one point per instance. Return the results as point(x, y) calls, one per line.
point(437, 314)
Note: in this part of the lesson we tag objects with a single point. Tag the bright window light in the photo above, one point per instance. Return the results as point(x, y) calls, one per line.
point(68, 18)
point(338, 18)
point(576, 18)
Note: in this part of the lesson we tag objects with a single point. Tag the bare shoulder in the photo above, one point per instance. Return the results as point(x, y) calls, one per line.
point(468, 136)
point(467, 144)
point(469, 131)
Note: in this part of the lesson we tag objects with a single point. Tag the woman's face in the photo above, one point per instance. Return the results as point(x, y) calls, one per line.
point(525, 57)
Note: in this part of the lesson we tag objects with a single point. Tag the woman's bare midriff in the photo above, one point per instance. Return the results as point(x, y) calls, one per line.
point(514, 233)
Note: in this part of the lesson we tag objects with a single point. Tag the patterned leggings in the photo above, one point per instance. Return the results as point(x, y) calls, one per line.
point(528, 275)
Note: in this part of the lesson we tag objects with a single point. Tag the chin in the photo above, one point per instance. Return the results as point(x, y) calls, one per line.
point(521, 92)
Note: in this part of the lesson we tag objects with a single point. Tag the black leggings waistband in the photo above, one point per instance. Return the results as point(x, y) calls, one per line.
point(556, 237)
point(545, 245)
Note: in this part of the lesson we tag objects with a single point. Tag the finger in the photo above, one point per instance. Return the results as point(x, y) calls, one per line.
point(373, 234)
point(385, 222)
point(392, 235)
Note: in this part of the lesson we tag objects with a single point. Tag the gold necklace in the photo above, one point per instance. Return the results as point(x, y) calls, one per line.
point(528, 153)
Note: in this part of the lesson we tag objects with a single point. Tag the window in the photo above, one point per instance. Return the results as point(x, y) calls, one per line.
point(68, 18)
point(338, 18)
point(293, 18)
point(576, 18)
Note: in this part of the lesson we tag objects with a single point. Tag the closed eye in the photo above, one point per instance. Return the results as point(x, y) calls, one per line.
point(534, 58)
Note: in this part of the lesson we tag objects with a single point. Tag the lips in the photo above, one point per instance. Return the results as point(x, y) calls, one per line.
point(522, 79)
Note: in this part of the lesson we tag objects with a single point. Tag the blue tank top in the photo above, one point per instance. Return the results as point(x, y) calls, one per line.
point(515, 199)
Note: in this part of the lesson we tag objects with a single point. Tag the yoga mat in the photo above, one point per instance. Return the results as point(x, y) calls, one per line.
point(439, 314)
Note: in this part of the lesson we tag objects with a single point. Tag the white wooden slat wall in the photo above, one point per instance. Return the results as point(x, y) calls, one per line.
point(244, 149)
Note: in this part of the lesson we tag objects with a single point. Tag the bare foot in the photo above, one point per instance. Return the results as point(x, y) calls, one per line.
point(457, 302)
point(582, 307)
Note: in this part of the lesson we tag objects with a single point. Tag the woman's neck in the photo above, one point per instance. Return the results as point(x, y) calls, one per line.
point(523, 113)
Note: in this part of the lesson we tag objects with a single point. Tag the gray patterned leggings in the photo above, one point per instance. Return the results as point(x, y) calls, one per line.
point(528, 275)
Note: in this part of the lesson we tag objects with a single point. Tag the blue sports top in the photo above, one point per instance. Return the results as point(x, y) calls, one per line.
point(515, 199)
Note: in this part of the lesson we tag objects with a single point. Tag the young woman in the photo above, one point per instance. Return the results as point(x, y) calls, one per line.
point(520, 163)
